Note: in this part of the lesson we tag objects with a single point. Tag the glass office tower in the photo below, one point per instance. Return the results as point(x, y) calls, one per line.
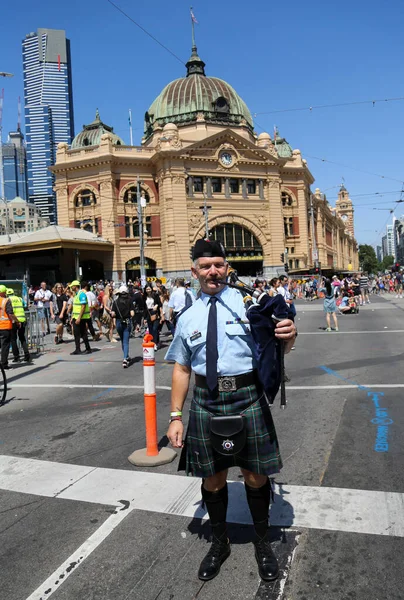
point(48, 100)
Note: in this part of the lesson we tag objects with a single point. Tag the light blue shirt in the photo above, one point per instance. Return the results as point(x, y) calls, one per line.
point(235, 344)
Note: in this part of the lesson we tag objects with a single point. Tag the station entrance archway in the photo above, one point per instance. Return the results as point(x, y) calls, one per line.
point(243, 250)
point(133, 268)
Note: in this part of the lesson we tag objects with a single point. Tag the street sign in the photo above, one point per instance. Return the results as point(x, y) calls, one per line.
point(315, 254)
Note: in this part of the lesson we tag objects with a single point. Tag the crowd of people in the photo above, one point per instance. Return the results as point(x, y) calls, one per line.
point(100, 309)
point(103, 309)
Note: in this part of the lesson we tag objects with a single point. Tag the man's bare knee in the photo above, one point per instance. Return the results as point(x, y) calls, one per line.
point(254, 480)
point(215, 482)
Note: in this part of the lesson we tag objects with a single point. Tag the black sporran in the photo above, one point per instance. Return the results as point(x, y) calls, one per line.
point(228, 434)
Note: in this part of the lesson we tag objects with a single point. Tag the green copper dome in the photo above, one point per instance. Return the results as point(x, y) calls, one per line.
point(282, 147)
point(196, 96)
point(91, 134)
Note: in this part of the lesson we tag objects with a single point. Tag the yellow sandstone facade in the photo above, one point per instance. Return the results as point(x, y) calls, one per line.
point(200, 149)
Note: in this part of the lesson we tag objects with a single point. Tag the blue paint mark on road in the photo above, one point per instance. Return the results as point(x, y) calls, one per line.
point(103, 393)
point(381, 419)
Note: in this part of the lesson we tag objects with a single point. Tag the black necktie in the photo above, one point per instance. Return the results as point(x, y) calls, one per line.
point(212, 353)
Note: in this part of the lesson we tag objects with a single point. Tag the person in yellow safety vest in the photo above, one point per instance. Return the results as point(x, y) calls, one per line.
point(80, 315)
point(7, 318)
point(18, 330)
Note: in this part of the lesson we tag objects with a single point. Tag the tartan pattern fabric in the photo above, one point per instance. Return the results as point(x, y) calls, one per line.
point(261, 452)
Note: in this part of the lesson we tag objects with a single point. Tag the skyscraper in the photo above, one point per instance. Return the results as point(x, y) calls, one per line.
point(48, 110)
point(15, 166)
point(391, 248)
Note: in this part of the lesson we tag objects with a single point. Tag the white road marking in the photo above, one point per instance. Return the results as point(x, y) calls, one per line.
point(350, 332)
point(59, 576)
point(96, 386)
point(166, 387)
point(337, 509)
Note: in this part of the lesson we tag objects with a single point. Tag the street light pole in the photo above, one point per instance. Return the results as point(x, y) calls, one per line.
point(141, 233)
point(205, 211)
point(313, 232)
point(2, 187)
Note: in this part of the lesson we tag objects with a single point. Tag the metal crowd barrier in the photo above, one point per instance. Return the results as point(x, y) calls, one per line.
point(33, 332)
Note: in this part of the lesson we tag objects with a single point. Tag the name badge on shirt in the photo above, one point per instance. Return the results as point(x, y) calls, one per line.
point(195, 336)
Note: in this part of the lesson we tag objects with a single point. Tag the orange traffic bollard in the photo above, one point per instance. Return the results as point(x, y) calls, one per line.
point(150, 404)
point(150, 456)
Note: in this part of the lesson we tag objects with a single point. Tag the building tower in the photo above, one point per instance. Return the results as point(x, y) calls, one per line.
point(345, 209)
point(15, 166)
point(48, 103)
point(391, 247)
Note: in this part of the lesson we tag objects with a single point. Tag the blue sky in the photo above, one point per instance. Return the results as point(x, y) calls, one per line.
point(277, 56)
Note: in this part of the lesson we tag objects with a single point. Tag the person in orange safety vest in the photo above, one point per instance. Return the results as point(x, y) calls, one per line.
point(7, 318)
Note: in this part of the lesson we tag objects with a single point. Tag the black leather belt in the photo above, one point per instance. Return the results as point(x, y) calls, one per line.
point(229, 383)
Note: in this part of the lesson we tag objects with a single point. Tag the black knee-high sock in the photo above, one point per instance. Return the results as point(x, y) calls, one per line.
point(259, 500)
point(216, 505)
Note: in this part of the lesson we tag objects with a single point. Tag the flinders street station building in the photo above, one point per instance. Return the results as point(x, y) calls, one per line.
point(199, 149)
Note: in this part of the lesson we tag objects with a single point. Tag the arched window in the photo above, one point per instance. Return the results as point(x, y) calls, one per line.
point(131, 195)
point(85, 198)
point(287, 199)
point(236, 238)
point(88, 225)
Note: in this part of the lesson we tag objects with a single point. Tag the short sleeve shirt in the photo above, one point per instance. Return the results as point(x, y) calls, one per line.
point(177, 299)
point(43, 298)
point(83, 297)
point(234, 341)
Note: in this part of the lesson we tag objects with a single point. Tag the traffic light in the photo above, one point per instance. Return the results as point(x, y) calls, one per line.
point(286, 267)
point(317, 269)
point(282, 257)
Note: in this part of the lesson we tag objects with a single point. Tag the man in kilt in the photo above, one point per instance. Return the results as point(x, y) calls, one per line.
point(213, 340)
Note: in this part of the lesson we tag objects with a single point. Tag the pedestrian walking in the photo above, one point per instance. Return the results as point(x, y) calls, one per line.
point(364, 288)
point(153, 313)
point(167, 314)
point(273, 286)
point(330, 307)
point(80, 316)
point(7, 320)
point(107, 319)
point(43, 298)
point(123, 311)
point(180, 300)
point(59, 311)
point(93, 304)
point(399, 285)
point(212, 340)
point(139, 307)
point(18, 330)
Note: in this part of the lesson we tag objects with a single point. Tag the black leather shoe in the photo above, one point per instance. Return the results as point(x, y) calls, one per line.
point(210, 566)
point(75, 352)
point(268, 568)
point(88, 351)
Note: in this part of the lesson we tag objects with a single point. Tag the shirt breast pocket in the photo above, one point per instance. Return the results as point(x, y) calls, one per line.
point(233, 329)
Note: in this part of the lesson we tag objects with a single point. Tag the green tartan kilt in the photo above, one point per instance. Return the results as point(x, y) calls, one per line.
point(261, 451)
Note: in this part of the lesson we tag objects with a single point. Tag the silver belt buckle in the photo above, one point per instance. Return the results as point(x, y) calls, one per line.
point(227, 384)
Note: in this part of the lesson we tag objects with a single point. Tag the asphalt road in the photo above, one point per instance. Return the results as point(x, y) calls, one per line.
point(77, 520)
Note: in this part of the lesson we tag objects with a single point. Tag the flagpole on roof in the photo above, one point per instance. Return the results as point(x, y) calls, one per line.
point(130, 127)
point(193, 21)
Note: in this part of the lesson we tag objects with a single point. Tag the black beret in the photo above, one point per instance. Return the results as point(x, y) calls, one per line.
point(207, 248)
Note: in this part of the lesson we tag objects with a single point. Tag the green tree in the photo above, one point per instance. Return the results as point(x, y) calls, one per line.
point(387, 262)
point(367, 258)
